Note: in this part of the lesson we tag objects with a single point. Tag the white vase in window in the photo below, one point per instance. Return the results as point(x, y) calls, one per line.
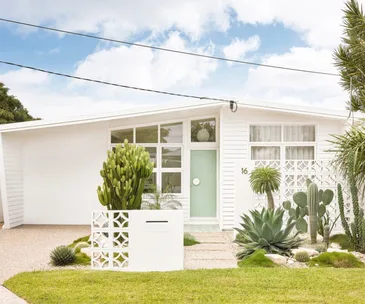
point(203, 135)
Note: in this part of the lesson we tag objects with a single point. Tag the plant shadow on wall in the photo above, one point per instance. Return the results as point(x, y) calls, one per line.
point(160, 200)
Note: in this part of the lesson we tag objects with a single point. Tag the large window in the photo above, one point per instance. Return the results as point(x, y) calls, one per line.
point(278, 142)
point(164, 143)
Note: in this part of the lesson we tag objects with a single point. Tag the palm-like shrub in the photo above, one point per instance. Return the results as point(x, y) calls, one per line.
point(266, 230)
point(62, 256)
point(265, 180)
point(160, 200)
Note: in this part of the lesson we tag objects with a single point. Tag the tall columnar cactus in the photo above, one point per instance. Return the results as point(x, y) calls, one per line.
point(355, 231)
point(326, 234)
point(313, 203)
point(124, 174)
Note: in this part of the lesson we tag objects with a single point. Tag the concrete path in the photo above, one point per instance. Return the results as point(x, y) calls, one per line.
point(215, 250)
point(7, 297)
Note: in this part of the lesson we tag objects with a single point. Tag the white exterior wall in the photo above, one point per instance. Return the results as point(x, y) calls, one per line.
point(234, 145)
point(12, 181)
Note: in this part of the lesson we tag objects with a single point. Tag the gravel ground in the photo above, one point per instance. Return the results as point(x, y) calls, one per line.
point(27, 248)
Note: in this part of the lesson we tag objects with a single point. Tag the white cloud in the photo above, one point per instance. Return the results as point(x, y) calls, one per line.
point(146, 68)
point(239, 48)
point(293, 87)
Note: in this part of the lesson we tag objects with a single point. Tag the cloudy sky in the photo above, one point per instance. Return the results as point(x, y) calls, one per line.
point(299, 34)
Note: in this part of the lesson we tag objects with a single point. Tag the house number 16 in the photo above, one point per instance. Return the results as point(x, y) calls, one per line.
point(244, 171)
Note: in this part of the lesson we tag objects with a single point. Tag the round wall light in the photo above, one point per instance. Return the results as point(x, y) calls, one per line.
point(203, 135)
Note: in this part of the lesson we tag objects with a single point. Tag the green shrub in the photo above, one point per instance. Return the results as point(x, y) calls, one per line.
point(257, 259)
point(79, 240)
point(337, 260)
point(342, 240)
point(81, 245)
point(302, 256)
point(189, 240)
point(62, 256)
point(265, 230)
point(82, 259)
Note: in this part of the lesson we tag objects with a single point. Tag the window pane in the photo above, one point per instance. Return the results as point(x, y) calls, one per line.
point(265, 153)
point(150, 185)
point(171, 133)
point(120, 135)
point(171, 157)
point(147, 135)
point(203, 130)
point(171, 182)
point(299, 153)
point(299, 133)
point(265, 133)
point(153, 154)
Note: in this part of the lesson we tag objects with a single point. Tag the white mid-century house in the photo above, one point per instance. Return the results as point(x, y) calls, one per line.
point(50, 169)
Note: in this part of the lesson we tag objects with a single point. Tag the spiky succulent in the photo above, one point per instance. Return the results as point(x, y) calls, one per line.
point(62, 256)
point(266, 230)
point(302, 256)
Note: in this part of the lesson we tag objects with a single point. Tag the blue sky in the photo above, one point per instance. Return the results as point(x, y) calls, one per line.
point(284, 34)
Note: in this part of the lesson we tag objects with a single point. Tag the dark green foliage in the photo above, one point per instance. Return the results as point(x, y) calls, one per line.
point(189, 240)
point(355, 231)
point(342, 240)
point(266, 230)
point(11, 109)
point(124, 175)
point(265, 180)
point(62, 256)
point(302, 256)
point(257, 259)
point(337, 260)
point(350, 54)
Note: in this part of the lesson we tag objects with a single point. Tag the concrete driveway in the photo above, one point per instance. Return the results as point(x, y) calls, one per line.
point(27, 247)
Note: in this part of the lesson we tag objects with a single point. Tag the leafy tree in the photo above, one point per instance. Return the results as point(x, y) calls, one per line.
point(350, 54)
point(11, 109)
point(265, 180)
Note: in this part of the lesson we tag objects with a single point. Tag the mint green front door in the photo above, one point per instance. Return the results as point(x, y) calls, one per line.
point(203, 183)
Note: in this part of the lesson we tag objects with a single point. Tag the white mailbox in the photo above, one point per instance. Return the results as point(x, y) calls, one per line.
point(156, 240)
point(138, 240)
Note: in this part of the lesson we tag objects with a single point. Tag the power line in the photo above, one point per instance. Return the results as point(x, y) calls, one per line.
point(216, 100)
point(167, 49)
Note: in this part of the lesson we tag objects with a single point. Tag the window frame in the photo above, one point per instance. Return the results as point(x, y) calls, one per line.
point(283, 144)
point(158, 169)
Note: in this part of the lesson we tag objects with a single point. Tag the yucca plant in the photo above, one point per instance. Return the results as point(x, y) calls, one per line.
point(62, 256)
point(265, 180)
point(266, 230)
point(160, 200)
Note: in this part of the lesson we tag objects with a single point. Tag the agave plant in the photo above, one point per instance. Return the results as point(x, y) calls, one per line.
point(265, 230)
point(160, 200)
point(265, 180)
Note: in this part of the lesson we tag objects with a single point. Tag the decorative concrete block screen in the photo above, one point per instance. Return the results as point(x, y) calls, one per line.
point(293, 179)
point(137, 240)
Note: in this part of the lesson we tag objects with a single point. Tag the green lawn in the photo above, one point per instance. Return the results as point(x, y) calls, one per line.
point(251, 285)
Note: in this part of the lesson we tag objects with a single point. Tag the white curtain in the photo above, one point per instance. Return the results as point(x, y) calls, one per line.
point(265, 153)
point(299, 153)
point(299, 133)
point(265, 133)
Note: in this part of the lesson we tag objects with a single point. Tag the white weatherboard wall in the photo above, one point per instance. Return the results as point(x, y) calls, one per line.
point(61, 173)
point(12, 185)
point(234, 146)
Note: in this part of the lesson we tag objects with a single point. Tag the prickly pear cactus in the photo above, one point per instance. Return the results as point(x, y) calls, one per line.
point(124, 174)
point(313, 203)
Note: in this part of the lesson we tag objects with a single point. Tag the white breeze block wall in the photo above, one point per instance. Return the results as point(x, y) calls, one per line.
point(138, 240)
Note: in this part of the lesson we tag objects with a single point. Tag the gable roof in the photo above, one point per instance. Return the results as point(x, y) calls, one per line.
point(138, 112)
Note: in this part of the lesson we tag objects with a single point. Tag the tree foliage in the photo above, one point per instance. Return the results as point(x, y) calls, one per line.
point(350, 54)
point(11, 109)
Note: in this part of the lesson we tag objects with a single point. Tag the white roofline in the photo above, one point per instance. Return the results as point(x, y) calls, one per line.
point(38, 124)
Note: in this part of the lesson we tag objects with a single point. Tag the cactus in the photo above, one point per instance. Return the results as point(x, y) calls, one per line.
point(356, 230)
point(124, 174)
point(302, 256)
point(313, 202)
point(326, 234)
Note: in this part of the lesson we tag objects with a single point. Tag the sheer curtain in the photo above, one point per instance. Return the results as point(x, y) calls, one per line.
point(299, 153)
point(265, 153)
point(265, 133)
point(299, 133)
